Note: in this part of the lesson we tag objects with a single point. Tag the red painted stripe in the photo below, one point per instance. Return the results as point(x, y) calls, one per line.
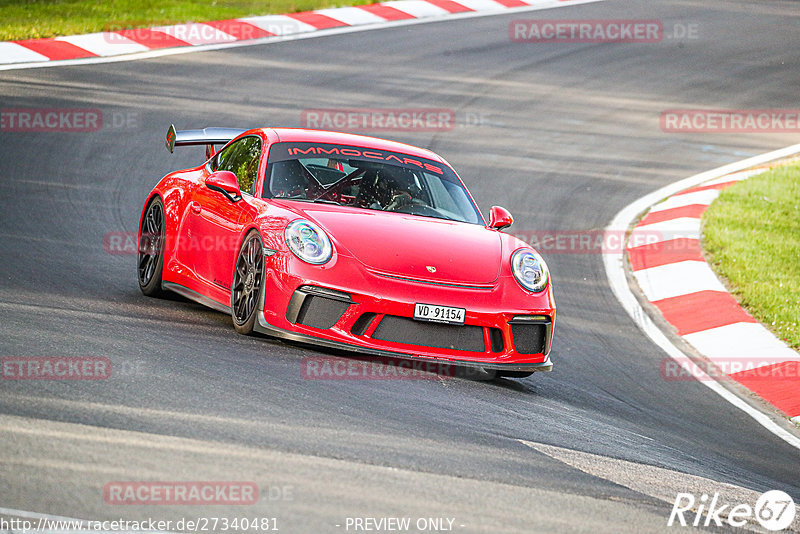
point(450, 6)
point(386, 12)
point(317, 20)
point(778, 384)
point(694, 211)
point(664, 253)
point(512, 3)
point(151, 39)
point(707, 187)
point(55, 49)
point(703, 310)
point(242, 31)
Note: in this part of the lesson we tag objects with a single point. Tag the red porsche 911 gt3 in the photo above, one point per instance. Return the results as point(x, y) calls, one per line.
point(349, 242)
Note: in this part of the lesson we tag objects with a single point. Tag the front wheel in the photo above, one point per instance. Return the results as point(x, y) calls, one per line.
point(151, 249)
point(248, 277)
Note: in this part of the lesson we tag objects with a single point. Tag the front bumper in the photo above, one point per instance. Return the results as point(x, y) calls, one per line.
point(325, 311)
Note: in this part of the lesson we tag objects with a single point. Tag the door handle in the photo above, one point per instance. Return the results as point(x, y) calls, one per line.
point(196, 207)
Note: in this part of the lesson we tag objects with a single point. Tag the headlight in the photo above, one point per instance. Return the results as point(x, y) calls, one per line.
point(308, 242)
point(529, 269)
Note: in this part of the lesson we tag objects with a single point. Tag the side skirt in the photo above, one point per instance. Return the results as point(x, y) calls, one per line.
point(195, 296)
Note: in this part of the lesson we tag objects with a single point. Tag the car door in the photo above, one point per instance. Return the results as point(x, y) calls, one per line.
point(214, 222)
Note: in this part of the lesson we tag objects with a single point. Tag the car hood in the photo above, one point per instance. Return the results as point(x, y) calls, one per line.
point(412, 246)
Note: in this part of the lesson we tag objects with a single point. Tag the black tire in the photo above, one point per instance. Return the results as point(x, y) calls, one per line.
point(150, 265)
point(248, 277)
point(514, 374)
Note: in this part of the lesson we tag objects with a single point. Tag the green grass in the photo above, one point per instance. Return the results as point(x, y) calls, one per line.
point(752, 239)
point(29, 19)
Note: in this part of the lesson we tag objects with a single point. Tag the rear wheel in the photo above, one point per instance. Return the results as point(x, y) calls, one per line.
point(248, 277)
point(151, 249)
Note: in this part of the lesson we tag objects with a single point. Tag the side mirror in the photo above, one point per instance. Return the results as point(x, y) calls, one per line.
point(225, 182)
point(500, 218)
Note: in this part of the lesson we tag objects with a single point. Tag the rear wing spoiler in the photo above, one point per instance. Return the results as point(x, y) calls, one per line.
point(206, 136)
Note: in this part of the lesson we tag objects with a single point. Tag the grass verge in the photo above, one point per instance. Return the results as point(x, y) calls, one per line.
point(752, 240)
point(32, 19)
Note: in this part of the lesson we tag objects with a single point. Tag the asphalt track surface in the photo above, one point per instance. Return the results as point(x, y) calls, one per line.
point(569, 135)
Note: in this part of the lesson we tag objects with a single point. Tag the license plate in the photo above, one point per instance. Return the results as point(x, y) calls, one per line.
point(439, 314)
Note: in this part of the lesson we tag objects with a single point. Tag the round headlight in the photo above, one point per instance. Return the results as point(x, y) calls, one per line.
point(529, 269)
point(308, 242)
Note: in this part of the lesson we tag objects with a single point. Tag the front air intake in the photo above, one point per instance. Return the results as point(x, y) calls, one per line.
point(442, 336)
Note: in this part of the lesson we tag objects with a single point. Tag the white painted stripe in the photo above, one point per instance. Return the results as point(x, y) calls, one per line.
point(750, 343)
point(683, 227)
point(482, 5)
point(417, 8)
point(705, 198)
point(14, 53)
point(547, 3)
point(676, 279)
point(351, 16)
point(657, 482)
point(279, 24)
point(735, 177)
point(617, 279)
point(196, 34)
point(104, 43)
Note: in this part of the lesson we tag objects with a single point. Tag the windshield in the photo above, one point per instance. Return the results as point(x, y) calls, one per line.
point(367, 178)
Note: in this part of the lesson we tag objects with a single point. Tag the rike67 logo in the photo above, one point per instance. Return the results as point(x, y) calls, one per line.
point(774, 510)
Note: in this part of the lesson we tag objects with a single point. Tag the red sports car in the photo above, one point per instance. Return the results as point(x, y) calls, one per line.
point(349, 242)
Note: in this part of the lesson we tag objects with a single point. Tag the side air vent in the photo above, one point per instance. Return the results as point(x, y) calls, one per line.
point(317, 307)
point(531, 333)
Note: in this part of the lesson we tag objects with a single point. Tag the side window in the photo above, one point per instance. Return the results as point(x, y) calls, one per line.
point(241, 158)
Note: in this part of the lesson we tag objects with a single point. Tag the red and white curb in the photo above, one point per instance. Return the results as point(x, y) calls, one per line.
point(675, 278)
point(163, 40)
point(667, 263)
